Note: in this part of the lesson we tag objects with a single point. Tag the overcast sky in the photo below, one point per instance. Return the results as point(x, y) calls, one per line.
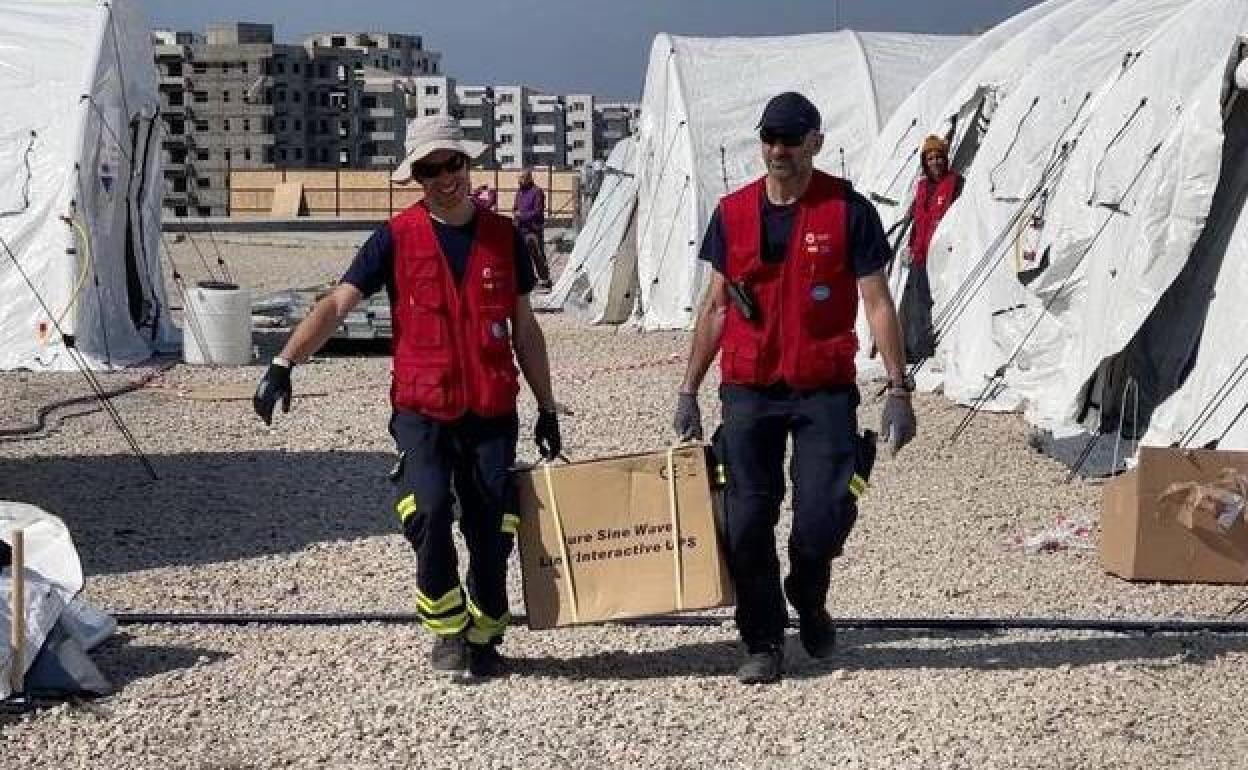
point(569, 46)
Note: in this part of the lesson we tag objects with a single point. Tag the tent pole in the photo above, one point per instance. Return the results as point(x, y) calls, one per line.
point(17, 673)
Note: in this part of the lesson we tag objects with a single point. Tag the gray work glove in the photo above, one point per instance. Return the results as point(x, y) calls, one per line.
point(688, 419)
point(897, 423)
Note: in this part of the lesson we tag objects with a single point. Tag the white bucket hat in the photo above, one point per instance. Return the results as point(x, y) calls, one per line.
point(426, 135)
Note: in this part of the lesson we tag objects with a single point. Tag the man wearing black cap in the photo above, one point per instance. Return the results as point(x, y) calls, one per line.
point(792, 253)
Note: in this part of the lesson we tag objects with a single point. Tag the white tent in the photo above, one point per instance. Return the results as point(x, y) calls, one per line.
point(80, 185)
point(976, 77)
point(958, 100)
point(1088, 197)
point(698, 140)
point(1208, 406)
point(600, 281)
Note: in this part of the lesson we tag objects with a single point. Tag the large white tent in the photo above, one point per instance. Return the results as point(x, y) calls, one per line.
point(700, 109)
point(1104, 176)
point(599, 283)
point(962, 93)
point(957, 101)
point(80, 185)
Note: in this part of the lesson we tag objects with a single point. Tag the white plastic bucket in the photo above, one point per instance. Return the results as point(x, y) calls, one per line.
point(216, 325)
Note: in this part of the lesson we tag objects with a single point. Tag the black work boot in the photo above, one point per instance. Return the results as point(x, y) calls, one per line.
point(817, 633)
point(763, 665)
point(484, 661)
point(449, 654)
point(815, 627)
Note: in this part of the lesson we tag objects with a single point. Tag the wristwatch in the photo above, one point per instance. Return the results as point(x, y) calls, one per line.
point(906, 384)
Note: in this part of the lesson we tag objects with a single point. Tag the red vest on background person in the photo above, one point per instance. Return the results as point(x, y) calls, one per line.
point(452, 343)
point(931, 201)
point(807, 304)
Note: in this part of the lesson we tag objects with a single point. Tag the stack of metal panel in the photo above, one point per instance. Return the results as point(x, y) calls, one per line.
point(370, 320)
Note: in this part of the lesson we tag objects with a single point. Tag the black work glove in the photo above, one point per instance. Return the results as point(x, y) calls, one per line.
point(897, 423)
point(688, 419)
point(274, 385)
point(546, 435)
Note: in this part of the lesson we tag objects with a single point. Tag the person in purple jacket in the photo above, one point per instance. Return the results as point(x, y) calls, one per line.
point(529, 212)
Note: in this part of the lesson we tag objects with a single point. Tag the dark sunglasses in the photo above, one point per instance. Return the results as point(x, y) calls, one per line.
point(424, 169)
point(769, 137)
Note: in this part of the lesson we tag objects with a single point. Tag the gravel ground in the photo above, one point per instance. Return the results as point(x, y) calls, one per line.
point(294, 518)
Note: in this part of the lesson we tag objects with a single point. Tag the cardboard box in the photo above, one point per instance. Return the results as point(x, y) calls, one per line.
point(1149, 535)
point(603, 545)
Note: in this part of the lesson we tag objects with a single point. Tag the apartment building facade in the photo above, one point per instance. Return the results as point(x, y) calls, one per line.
point(522, 126)
point(234, 99)
point(582, 134)
point(615, 120)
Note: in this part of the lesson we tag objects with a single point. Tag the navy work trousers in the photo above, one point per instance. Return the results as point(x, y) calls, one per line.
point(757, 423)
point(471, 458)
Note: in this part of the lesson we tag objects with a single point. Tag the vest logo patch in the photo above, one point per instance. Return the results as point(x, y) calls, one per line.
point(820, 292)
point(499, 330)
point(818, 243)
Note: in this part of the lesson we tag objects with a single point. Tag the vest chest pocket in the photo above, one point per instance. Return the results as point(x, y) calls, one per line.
point(495, 335)
point(827, 309)
point(426, 308)
point(424, 388)
point(742, 361)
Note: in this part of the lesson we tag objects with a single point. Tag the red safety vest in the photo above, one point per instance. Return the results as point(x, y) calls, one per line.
point(807, 304)
point(452, 343)
point(930, 204)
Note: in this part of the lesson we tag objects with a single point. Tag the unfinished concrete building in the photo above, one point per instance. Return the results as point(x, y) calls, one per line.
point(235, 99)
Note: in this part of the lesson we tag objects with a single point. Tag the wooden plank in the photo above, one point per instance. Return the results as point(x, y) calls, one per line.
point(288, 201)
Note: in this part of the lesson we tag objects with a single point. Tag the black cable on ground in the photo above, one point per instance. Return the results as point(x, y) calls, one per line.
point(41, 416)
point(1104, 625)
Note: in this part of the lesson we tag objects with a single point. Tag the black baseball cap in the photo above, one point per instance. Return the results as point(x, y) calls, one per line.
point(790, 113)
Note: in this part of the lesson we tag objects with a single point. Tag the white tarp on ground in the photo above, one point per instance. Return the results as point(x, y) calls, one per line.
point(81, 142)
point(698, 138)
point(1085, 96)
point(53, 577)
point(601, 274)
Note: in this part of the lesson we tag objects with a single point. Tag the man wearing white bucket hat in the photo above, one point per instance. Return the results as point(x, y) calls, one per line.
point(458, 279)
